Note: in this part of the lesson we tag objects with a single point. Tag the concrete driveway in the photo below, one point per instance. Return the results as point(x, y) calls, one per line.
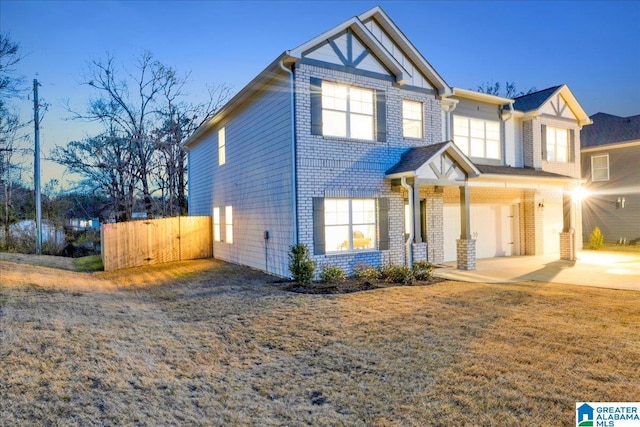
point(614, 270)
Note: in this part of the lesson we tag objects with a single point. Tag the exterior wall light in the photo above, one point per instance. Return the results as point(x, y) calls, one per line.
point(620, 203)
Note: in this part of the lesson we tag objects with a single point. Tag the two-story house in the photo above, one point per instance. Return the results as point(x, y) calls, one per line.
point(354, 145)
point(611, 172)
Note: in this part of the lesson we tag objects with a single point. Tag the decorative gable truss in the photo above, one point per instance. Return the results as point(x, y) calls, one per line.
point(556, 106)
point(371, 44)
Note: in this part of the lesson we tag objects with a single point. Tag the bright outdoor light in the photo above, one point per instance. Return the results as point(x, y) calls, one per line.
point(579, 193)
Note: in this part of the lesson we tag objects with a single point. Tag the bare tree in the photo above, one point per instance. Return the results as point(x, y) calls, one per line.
point(509, 90)
point(11, 86)
point(146, 112)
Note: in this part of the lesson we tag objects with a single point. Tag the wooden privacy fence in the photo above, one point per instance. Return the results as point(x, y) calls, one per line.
point(146, 242)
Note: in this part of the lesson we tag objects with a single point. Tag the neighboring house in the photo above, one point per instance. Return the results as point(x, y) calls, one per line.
point(611, 172)
point(354, 145)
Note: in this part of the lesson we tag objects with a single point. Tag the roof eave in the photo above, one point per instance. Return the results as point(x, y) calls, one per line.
point(479, 96)
point(249, 90)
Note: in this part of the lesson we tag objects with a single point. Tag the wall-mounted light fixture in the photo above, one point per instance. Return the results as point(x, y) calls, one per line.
point(541, 205)
point(620, 203)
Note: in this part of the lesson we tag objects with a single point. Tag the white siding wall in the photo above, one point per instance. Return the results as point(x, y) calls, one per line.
point(256, 181)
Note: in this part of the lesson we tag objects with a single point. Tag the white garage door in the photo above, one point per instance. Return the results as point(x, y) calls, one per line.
point(552, 219)
point(493, 226)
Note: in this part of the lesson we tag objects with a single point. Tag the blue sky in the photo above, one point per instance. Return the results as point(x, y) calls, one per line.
point(592, 46)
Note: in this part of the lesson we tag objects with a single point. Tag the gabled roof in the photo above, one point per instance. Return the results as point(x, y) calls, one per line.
point(416, 157)
point(356, 24)
point(534, 101)
point(609, 129)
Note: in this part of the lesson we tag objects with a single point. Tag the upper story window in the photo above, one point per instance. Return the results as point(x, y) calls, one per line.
point(476, 137)
point(347, 111)
point(222, 152)
point(411, 119)
point(600, 167)
point(557, 144)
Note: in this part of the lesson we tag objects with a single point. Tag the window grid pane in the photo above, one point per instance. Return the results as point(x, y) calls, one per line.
point(228, 219)
point(347, 111)
point(350, 224)
point(411, 119)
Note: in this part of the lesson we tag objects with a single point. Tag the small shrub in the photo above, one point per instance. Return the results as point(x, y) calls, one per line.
point(596, 240)
point(301, 266)
point(332, 274)
point(363, 271)
point(423, 270)
point(400, 274)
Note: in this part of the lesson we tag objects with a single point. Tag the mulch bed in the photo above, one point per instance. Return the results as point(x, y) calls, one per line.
point(349, 286)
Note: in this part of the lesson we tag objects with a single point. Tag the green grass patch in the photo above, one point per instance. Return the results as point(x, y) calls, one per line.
point(89, 263)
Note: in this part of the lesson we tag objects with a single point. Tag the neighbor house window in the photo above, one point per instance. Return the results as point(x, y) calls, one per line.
point(477, 138)
point(600, 167)
point(557, 144)
point(347, 111)
point(216, 224)
point(350, 224)
point(411, 119)
point(228, 224)
point(222, 152)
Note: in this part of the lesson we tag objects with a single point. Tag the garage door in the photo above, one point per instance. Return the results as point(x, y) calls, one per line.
point(493, 226)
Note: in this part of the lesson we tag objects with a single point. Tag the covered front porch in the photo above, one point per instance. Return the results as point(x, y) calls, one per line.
point(454, 211)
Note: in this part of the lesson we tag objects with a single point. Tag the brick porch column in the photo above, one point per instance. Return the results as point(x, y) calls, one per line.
point(568, 245)
point(466, 254)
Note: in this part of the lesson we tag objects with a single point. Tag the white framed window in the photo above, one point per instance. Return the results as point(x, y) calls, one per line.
point(347, 111)
point(222, 149)
point(600, 167)
point(228, 224)
point(216, 224)
point(557, 145)
point(349, 224)
point(477, 138)
point(412, 119)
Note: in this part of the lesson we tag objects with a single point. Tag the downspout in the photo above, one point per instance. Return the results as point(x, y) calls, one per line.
point(294, 179)
point(449, 124)
point(409, 257)
point(504, 133)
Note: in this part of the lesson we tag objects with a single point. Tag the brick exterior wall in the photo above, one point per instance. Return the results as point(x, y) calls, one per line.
point(342, 167)
point(466, 254)
point(568, 246)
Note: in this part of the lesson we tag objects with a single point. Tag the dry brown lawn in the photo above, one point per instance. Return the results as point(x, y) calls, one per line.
point(209, 343)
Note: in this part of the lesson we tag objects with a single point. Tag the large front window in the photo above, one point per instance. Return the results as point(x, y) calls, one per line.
point(347, 111)
point(350, 224)
point(477, 138)
point(557, 144)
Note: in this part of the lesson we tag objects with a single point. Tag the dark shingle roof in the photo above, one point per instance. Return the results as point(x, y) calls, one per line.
point(415, 157)
point(506, 170)
point(609, 129)
point(534, 100)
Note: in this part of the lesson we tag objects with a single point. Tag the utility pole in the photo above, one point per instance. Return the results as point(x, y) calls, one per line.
point(36, 167)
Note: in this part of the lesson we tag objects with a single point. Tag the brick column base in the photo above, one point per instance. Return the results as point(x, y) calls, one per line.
point(568, 245)
point(466, 252)
point(419, 251)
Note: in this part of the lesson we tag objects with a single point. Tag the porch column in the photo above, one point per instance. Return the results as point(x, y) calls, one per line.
point(465, 246)
point(419, 247)
point(567, 237)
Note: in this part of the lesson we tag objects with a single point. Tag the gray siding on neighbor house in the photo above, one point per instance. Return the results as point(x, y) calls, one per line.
point(600, 208)
point(256, 180)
